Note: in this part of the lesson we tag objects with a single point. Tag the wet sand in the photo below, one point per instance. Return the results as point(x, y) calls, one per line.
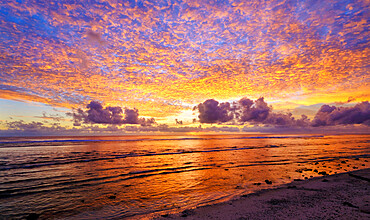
point(339, 196)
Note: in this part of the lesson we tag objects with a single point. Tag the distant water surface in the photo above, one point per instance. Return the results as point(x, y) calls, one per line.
point(116, 177)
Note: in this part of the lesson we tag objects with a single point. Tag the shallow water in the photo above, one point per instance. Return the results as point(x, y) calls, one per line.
point(115, 177)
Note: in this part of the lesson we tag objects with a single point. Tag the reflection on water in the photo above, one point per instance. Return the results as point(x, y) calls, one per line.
point(134, 175)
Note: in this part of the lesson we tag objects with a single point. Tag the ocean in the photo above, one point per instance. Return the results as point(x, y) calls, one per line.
point(130, 176)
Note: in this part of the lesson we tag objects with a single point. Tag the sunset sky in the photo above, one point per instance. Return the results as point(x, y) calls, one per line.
point(163, 58)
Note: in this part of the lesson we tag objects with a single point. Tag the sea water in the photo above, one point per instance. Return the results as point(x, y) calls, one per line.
point(124, 176)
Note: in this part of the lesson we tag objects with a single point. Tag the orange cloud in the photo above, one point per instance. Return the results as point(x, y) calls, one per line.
point(161, 58)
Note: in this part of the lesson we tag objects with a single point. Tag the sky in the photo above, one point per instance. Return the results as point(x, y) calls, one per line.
point(148, 66)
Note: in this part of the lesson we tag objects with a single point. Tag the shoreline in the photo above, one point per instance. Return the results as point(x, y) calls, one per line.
point(337, 196)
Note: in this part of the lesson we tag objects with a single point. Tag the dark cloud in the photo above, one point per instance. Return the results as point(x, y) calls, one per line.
point(258, 112)
point(250, 111)
point(211, 111)
point(331, 115)
point(287, 120)
point(131, 116)
point(246, 110)
point(97, 114)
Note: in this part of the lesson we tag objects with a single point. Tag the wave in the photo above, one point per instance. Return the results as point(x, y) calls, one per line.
point(77, 158)
point(70, 183)
point(82, 157)
point(62, 182)
point(9, 143)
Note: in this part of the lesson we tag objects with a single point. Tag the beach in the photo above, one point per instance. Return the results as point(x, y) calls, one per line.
point(339, 196)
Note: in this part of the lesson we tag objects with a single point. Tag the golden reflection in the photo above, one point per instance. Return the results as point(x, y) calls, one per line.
point(124, 178)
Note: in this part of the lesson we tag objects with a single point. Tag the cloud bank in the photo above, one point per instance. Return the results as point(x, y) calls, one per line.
point(331, 115)
point(245, 115)
point(259, 112)
point(211, 111)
